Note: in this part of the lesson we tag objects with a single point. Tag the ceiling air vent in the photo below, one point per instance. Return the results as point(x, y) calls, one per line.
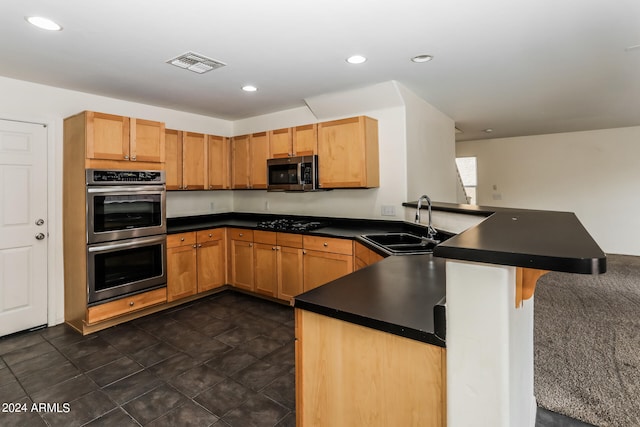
point(195, 62)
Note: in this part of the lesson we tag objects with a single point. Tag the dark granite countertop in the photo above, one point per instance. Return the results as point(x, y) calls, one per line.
point(402, 295)
point(545, 240)
point(348, 228)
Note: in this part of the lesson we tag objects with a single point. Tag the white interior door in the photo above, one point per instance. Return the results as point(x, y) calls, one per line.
point(23, 226)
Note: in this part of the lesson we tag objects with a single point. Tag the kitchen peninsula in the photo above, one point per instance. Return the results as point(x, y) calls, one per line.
point(486, 371)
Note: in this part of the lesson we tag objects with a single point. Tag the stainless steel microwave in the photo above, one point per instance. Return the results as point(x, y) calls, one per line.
point(292, 174)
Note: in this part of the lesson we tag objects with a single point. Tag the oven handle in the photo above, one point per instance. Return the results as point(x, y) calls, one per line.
point(122, 189)
point(128, 244)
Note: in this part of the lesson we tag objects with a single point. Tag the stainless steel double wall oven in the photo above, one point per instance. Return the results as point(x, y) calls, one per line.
point(126, 232)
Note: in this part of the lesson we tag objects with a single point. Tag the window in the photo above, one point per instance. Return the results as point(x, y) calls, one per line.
point(467, 169)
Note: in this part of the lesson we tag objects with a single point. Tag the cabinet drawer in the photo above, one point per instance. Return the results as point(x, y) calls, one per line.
point(126, 305)
point(204, 236)
point(328, 244)
point(241, 234)
point(266, 237)
point(289, 240)
point(182, 239)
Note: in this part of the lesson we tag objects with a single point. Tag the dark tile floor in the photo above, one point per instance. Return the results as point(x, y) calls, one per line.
point(226, 360)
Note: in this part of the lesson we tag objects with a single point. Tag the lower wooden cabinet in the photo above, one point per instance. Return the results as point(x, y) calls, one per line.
point(182, 279)
point(126, 305)
point(363, 256)
point(195, 263)
point(391, 380)
point(275, 264)
point(327, 260)
point(265, 263)
point(290, 266)
point(211, 259)
point(241, 260)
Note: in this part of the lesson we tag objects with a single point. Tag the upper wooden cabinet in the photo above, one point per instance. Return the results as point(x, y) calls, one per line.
point(173, 159)
point(195, 161)
point(249, 154)
point(108, 136)
point(348, 153)
point(219, 158)
point(281, 143)
point(240, 162)
point(186, 160)
point(296, 141)
point(305, 140)
point(259, 148)
point(146, 142)
point(116, 142)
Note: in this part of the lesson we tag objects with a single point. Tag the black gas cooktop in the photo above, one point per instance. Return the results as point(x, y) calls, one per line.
point(285, 224)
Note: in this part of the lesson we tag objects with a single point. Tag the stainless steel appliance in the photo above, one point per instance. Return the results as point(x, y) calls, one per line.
point(124, 267)
point(125, 204)
point(126, 232)
point(292, 174)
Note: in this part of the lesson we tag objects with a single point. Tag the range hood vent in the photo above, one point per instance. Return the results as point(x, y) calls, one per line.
point(195, 62)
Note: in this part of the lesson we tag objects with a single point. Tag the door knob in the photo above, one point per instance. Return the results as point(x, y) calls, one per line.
point(39, 221)
point(39, 236)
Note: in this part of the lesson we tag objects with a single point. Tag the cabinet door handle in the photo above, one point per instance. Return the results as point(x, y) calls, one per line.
point(133, 158)
point(182, 239)
point(195, 246)
point(210, 234)
point(131, 303)
point(304, 252)
point(325, 244)
point(241, 234)
point(126, 157)
point(250, 245)
point(273, 248)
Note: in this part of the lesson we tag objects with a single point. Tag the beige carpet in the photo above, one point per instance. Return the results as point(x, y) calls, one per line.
point(587, 344)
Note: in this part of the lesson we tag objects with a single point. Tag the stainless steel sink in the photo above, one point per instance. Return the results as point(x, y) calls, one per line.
point(402, 243)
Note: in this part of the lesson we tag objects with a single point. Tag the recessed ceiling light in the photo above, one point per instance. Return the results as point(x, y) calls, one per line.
point(43, 23)
point(356, 59)
point(488, 130)
point(249, 88)
point(422, 58)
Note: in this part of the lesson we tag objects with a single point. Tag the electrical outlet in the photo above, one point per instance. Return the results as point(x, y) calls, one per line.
point(388, 210)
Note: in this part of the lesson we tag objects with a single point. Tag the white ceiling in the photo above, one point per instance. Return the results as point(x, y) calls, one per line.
point(519, 67)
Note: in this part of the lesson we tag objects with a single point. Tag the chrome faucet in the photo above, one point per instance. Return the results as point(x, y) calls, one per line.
point(431, 232)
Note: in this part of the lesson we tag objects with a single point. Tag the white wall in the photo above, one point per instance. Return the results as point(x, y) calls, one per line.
point(26, 101)
point(430, 151)
point(593, 173)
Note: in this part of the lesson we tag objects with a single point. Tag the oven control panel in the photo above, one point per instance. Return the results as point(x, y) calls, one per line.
point(114, 177)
